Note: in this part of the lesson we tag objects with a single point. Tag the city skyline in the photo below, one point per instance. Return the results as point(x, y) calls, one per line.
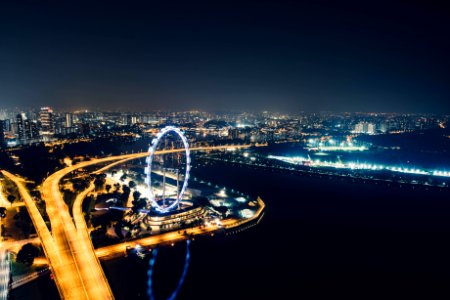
point(238, 149)
point(246, 55)
point(21, 127)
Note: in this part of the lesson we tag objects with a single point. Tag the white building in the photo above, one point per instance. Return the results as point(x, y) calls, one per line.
point(47, 122)
point(364, 128)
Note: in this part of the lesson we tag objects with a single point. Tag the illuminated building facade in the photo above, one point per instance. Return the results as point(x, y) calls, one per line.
point(2, 135)
point(69, 120)
point(47, 121)
point(364, 128)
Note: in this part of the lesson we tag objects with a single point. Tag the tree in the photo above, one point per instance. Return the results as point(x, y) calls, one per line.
point(11, 198)
point(126, 193)
point(99, 182)
point(2, 212)
point(79, 185)
point(138, 203)
point(27, 254)
point(132, 184)
point(136, 195)
point(22, 221)
point(123, 177)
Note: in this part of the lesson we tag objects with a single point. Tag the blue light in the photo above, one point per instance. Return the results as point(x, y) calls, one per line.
point(317, 163)
point(182, 277)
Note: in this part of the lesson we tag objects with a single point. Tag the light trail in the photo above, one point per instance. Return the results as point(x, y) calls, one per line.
point(66, 282)
point(77, 211)
point(182, 277)
point(151, 263)
point(185, 269)
point(14, 246)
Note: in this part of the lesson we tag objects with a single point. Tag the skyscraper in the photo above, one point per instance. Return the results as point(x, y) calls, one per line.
point(69, 120)
point(2, 136)
point(7, 125)
point(34, 129)
point(20, 126)
point(364, 127)
point(27, 133)
point(128, 120)
point(47, 121)
point(25, 129)
point(370, 128)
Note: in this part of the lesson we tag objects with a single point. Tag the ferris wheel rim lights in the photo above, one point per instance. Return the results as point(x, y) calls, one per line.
point(148, 170)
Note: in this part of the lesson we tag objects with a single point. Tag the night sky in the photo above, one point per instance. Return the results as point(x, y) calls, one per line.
point(226, 55)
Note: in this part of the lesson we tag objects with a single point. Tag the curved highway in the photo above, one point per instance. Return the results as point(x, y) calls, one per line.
point(83, 277)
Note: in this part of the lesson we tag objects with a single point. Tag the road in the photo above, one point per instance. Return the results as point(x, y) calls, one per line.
point(109, 252)
point(24, 280)
point(76, 245)
point(64, 270)
point(15, 245)
point(3, 201)
point(112, 251)
point(176, 235)
point(77, 209)
point(74, 263)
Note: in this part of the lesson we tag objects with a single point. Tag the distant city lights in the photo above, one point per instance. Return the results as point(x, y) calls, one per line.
point(317, 163)
point(323, 144)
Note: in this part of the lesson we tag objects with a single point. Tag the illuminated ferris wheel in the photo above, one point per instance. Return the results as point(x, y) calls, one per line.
point(159, 201)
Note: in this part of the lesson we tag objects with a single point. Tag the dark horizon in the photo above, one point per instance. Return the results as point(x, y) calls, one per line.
point(212, 111)
point(233, 55)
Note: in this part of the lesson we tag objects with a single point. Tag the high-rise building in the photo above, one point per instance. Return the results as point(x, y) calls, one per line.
point(27, 133)
point(382, 127)
point(7, 125)
point(2, 135)
point(34, 129)
point(15, 129)
point(365, 128)
point(69, 120)
point(233, 133)
point(370, 128)
point(359, 128)
point(47, 121)
point(20, 126)
point(128, 120)
point(25, 129)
